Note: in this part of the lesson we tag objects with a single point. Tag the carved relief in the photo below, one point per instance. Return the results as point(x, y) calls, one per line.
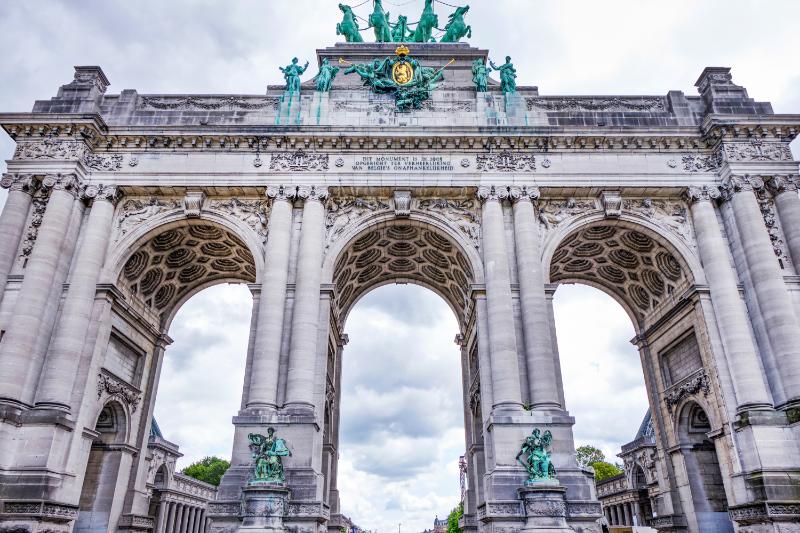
point(298, 161)
point(554, 212)
point(701, 162)
point(38, 206)
point(343, 212)
point(767, 207)
point(696, 383)
point(192, 102)
point(51, 149)
point(103, 162)
point(136, 211)
point(506, 162)
point(254, 213)
point(462, 213)
point(757, 150)
point(596, 104)
point(116, 388)
point(670, 214)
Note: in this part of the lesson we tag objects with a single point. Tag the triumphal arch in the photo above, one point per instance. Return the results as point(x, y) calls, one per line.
point(400, 162)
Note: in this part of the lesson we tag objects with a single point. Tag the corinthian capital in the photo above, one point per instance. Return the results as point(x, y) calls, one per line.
point(281, 192)
point(525, 193)
point(312, 192)
point(492, 192)
point(109, 193)
point(70, 183)
point(701, 194)
point(19, 182)
point(736, 184)
point(779, 184)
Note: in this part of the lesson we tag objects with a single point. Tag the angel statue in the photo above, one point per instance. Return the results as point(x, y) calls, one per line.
point(536, 457)
point(267, 455)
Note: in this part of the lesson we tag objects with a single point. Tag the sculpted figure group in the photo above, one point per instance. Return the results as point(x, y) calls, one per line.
point(386, 32)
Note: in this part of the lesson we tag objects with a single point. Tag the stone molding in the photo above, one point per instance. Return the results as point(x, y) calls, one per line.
point(26, 183)
point(109, 193)
point(765, 512)
point(114, 387)
point(135, 521)
point(41, 509)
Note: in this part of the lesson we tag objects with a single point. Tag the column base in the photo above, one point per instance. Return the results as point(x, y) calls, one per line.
point(263, 508)
point(545, 507)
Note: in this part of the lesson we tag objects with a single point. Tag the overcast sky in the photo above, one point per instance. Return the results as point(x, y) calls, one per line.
point(402, 424)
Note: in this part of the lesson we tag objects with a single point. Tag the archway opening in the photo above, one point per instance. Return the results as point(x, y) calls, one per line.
point(402, 417)
point(105, 460)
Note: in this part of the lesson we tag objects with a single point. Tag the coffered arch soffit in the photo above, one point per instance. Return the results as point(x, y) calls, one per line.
point(176, 260)
point(636, 264)
point(386, 249)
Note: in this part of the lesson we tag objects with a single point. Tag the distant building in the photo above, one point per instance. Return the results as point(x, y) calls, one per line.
point(439, 526)
point(626, 498)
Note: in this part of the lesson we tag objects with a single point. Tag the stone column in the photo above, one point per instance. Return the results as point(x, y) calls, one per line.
point(503, 344)
point(171, 520)
point(201, 517)
point(626, 512)
point(12, 221)
point(542, 380)
point(55, 388)
point(162, 511)
point(18, 359)
point(192, 519)
point(305, 316)
point(787, 202)
point(263, 378)
point(730, 311)
point(774, 302)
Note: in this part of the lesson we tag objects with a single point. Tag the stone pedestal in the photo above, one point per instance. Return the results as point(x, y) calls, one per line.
point(545, 507)
point(263, 507)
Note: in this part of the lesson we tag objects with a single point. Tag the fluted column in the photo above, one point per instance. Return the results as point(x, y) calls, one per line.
point(503, 344)
point(55, 388)
point(730, 311)
point(18, 359)
point(774, 302)
point(191, 520)
point(305, 316)
point(542, 379)
point(269, 330)
point(181, 518)
point(787, 202)
point(162, 515)
point(12, 220)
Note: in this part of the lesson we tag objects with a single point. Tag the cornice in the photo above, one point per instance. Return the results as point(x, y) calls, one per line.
point(39, 125)
point(716, 128)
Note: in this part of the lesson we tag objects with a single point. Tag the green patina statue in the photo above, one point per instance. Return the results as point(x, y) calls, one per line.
point(324, 78)
point(508, 75)
point(456, 29)
point(536, 457)
point(291, 73)
point(427, 22)
point(403, 77)
point(379, 21)
point(401, 32)
point(480, 75)
point(267, 455)
point(349, 26)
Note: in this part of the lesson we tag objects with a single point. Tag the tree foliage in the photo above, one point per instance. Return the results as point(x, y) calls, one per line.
point(588, 454)
point(209, 469)
point(604, 470)
point(453, 517)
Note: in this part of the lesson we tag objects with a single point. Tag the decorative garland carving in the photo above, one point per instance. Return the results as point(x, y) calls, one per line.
point(38, 206)
point(596, 104)
point(117, 388)
point(757, 150)
point(767, 207)
point(698, 382)
point(506, 161)
point(218, 102)
point(298, 161)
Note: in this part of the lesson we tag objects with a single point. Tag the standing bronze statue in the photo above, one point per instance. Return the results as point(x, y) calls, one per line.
point(508, 75)
point(268, 452)
point(292, 73)
point(324, 78)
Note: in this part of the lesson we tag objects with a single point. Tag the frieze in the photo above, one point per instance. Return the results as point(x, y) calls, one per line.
point(748, 512)
point(116, 388)
point(219, 102)
point(503, 508)
point(554, 212)
point(266, 506)
point(227, 508)
point(462, 213)
point(51, 149)
point(584, 509)
point(672, 215)
point(757, 150)
point(402, 163)
point(545, 508)
point(298, 161)
point(254, 213)
point(136, 521)
point(596, 104)
point(696, 383)
point(343, 212)
point(701, 162)
point(506, 161)
point(136, 211)
point(50, 510)
point(309, 510)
